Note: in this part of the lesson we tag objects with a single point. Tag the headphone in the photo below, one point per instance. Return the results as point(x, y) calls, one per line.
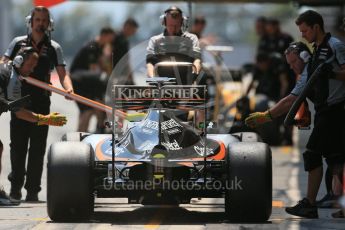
point(29, 18)
point(22, 55)
point(302, 50)
point(163, 19)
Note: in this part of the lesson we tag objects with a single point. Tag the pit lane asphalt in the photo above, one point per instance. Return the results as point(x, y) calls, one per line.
point(289, 183)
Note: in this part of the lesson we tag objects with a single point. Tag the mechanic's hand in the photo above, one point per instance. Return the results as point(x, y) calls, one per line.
point(258, 118)
point(54, 119)
point(327, 70)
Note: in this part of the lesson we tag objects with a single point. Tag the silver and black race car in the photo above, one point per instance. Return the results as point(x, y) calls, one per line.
point(163, 159)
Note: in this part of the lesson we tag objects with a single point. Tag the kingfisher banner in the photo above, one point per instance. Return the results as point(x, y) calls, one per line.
point(168, 96)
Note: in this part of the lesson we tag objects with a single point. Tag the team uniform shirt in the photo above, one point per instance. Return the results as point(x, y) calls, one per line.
point(10, 83)
point(87, 82)
point(120, 59)
point(326, 92)
point(271, 44)
point(87, 55)
point(181, 48)
point(120, 48)
point(269, 81)
point(277, 45)
point(328, 96)
point(173, 48)
point(50, 56)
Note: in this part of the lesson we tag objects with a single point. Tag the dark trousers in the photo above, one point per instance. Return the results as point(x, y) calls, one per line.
point(22, 134)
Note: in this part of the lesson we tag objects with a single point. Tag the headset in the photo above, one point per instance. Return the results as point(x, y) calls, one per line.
point(302, 50)
point(22, 55)
point(184, 24)
point(29, 18)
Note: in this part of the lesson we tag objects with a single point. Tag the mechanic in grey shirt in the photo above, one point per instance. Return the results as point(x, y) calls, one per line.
point(328, 96)
point(174, 44)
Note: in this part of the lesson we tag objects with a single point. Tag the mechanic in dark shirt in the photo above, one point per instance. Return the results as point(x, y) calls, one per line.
point(11, 81)
point(260, 29)
point(267, 76)
point(272, 39)
point(174, 44)
point(198, 27)
point(87, 73)
point(329, 128)
point(275, 42)
point(328, 96)
point(39, 25)
point(120, 47)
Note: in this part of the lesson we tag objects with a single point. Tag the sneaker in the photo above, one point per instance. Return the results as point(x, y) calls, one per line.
point(303, 209)
point(31, 197)
point(15, 196)
point(328, 201)
point(5, 200)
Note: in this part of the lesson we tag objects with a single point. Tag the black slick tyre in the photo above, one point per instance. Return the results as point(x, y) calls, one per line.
point(248, 196)
point(70, 194)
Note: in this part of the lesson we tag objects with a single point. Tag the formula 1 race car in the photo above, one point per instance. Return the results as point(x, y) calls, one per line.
point(162, 159)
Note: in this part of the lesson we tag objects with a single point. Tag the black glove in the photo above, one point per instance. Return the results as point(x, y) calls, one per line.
point(327, 70)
